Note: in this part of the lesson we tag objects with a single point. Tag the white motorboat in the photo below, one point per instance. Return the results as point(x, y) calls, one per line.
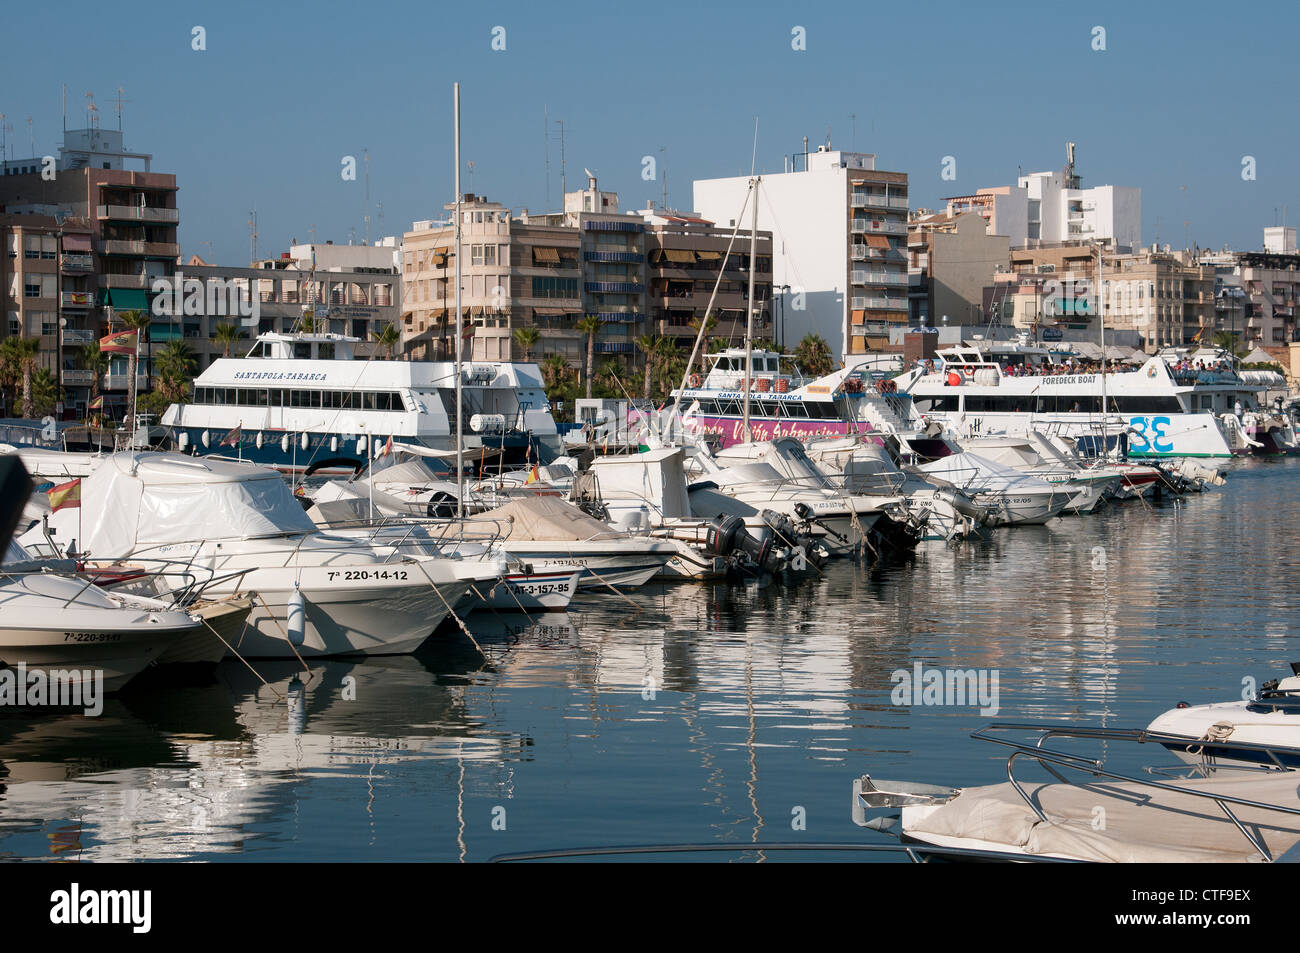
point(648, 493)
point(867, 468)
point(1013, 498)
point(238, 528)
point(69, 629)
point(1264, 727)
point(547, 531)
point(1090, 484)
point(1088, 812)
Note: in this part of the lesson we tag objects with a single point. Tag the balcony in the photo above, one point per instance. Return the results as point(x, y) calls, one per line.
point(134, 213)
point(879, 278)
point(139, 249)
point(879, 304)
point(613, 287)
point(119, 381)
point(624, 317)
point(77, 263)
point(866, 226)
point(614, 347)
point(612, 257)
point(78, 336)
point(76, 299)
point(126, 281)
point(869, 200)
point(78, 378)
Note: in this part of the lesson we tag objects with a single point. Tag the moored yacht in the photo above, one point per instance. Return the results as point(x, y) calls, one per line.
point(1159, 410)
point(301, 402)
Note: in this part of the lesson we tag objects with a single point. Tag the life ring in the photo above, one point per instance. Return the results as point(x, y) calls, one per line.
point(695, 381)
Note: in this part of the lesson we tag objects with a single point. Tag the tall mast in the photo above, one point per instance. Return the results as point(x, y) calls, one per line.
point(460, 410)
point(1101, 321)
point(749, 317)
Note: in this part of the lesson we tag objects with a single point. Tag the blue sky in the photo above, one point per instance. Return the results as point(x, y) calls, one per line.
point(263, 117)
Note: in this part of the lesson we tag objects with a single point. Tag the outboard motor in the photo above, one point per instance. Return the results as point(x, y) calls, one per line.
point(794, 538)
point(727, 536)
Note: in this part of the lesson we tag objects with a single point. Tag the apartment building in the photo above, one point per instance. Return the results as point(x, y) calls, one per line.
point(839, 228)
point(1053, 207)
point(685, 255)
point(352, 290)
point(950, 259)
point(113, 230)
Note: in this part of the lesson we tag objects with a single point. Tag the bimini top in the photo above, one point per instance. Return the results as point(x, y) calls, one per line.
point(134, 501)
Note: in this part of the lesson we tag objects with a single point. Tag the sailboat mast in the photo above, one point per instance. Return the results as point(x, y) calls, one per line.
point(460, 410)
point(749, 317)
point(1101, 321)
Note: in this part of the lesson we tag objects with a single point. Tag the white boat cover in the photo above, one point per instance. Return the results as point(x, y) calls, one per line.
point(976, 473)
point(546, 518)
point(1140, 824)
point(133, 501)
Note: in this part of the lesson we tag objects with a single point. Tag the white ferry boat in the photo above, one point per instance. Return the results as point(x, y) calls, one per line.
point(785, 403)
point(302, 402)
point(1155, 410)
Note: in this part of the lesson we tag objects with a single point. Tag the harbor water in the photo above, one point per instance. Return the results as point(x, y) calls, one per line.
point(719, 713)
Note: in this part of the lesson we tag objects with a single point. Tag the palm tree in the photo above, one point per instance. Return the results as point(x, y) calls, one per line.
point(26, 351)
point(710, 322)
point(555, 369)
point(226, 335)
point(527, 339)
point(814, 355)
point(590, 326)
point(387, 339)
point(11, 370)
point(44, 392)
point(611, 375)
point(654, 348)
point(139, 322)
point(175, 363)
point(92, 359)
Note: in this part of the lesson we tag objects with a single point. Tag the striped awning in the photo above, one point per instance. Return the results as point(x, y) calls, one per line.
point(550, 256)
point(680, 256)
point(877, 241)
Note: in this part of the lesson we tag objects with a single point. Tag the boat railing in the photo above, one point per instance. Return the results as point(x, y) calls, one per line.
point(1050, 759)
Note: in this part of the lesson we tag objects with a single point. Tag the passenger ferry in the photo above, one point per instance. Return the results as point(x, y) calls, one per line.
point(1156, 410)
point(785, 403)
point(302, 402)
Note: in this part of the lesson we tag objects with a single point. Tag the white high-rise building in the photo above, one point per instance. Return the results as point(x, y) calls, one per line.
point(839, 241)
point(1050, 207)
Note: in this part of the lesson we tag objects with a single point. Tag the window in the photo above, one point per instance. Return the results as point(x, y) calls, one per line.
point(32, 286)
point(555, 287)
point(31, 246)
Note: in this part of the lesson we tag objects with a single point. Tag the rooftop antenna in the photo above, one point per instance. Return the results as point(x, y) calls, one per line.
point(31, 134)
point(470, 165)
point(65, 107)
point(664, 150)
point(365, 157)
point(546, 138)
point(853, 117)
point(252, 237)
point(563, 185)
point(118, 106)
point(311, 233)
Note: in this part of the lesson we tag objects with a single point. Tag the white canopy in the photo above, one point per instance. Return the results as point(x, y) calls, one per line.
point(546, 518)
point(134, 501)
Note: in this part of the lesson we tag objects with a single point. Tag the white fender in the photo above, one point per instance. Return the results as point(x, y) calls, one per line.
point(284, 444)
point(302, 442)
point(296, 620)
point(206, 438)
point(261, 440)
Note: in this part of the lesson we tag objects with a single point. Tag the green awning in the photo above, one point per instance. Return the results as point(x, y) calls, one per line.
point(128, 299)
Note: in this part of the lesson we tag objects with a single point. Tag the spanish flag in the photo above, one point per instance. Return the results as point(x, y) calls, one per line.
point(232, 438)
point(1198, 334)
point(532, 476)
point(65, 494)
point(96, 404)
point(123, 342)
point(388, 446)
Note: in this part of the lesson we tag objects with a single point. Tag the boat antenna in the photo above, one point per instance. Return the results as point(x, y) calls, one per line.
point(749, 311)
